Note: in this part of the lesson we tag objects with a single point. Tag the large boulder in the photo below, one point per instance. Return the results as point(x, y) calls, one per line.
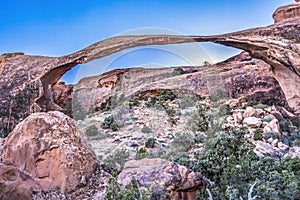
point(48, 147)
point(163, 175)
point(15, 184)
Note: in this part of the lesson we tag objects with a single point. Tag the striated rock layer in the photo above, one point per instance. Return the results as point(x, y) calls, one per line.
point(239, 76)
point(26, 81)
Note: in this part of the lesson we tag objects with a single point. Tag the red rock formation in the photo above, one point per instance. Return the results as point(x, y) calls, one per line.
point(163, 174)
point(62, 93)
point(15, 184)
point(286, 13)
point(47, 146)
point(26, 80)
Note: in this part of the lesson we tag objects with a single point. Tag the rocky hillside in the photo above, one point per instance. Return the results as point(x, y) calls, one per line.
point(224, 131)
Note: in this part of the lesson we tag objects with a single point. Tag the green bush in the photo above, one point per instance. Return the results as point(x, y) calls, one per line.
point(199, 120)
point(141, 153)
point(105, 106)
point(114, 127)
point(134, 102)
point(114, 163)
point(258, 134)
point(178, 71)
point(108, 121)
point(146, 129)
point(172, 120)
point(91, 131)
point(150, 143)
point(233, 166)
point(188, 101)
point(131, 191)
point(179, 147)
point(77, 111)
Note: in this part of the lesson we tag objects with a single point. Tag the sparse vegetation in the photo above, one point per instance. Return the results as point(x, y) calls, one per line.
point(77, 111)
point(258, 134)
point(91, 131)
point(146, 129)
point(114, 163)
point(108, 121)
point(134, 102)
point(178, 71)
point(199, 120)
point(131, 191)
point(150, 143)
point(141, 153)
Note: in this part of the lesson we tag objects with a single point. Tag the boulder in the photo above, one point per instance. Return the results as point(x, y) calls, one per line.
point(294, 152)
point(158, 172)
point(272, 127)
point(48, 147)
point(252, 122)
point(15, 184)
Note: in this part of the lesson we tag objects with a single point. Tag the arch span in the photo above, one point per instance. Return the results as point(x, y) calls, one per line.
point(26, 80)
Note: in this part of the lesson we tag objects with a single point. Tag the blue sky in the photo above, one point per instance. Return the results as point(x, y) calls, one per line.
point(59, 27)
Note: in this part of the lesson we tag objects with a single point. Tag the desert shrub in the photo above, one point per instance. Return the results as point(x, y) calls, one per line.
point(134, 102)
point(146, 129)
point(179, 147)
point(131, 191)
point(224, 110)
point(258, 134)
point(114, 163)
point(91, 131)
point(188, 101)
point(77, 111)
point(217, 95)
point(261, 106)
point(114, 127)
point(169, 110)
point(172, 120)
point(233, 166)
point(167, 95)
point(141, 153)
point(108, 121)
point(150, 143)
point(106, 105)
point(178, 71)
point(199, 121)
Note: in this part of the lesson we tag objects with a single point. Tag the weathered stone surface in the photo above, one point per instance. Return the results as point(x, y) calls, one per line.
point(29, 79)
point(149, 172)
point(62, 94)
point(252, 122)
point(239, 76)
point(48, 147)
point(286, 13)
point(272, 127)
point(15, 184)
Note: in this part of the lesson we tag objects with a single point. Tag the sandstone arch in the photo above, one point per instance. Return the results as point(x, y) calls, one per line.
point(27, 80)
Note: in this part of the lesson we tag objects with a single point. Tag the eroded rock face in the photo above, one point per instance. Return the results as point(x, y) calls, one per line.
point(15, 184)
point(239, 76)
point(48, 147)
point(158, 172)
point(62, 94)
point(286, 13)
